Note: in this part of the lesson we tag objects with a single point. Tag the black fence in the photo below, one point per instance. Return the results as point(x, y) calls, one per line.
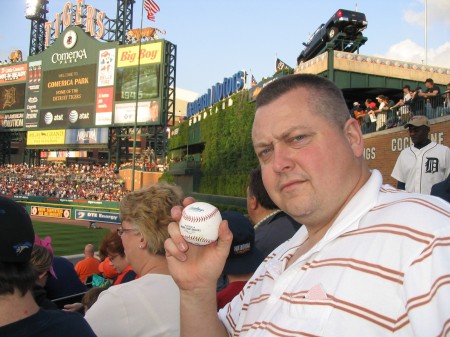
point(432, 107)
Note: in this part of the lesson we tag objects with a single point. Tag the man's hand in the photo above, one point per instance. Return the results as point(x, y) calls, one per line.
point(191, 266)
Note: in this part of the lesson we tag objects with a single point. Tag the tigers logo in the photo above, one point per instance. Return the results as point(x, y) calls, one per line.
point(9, 97)
point(70, 39)
point(432, 165)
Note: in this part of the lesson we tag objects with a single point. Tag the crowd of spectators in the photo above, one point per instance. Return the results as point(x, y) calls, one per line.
point(76, 181)
point(383, 113)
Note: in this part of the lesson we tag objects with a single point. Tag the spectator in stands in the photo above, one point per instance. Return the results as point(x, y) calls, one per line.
point(369, 117)
point(91, 297)
point(148, 306)
point(424, 163)
point(243, 258)
point(391, 116)
point(107, 270)
point(357, 112)
point(56, 180)
point(272, 226)
point(41, 260)
point(403, 106)
point(89, 265)
point(67, 282)
point(19, 313)
point(380, 113)
point(368, 257)
point(431, 96)
point(447, 100)
point(112, 249)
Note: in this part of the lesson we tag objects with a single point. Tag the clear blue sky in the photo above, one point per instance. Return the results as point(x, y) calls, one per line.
point(216, 38)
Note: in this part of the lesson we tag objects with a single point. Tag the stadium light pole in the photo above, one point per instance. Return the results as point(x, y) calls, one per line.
point(133, 166)
point(426, 33)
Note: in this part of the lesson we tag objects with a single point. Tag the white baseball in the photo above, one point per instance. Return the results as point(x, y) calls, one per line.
point(199, 223)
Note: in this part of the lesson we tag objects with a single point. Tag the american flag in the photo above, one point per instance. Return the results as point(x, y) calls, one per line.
point(152, 8)
point(253, 81)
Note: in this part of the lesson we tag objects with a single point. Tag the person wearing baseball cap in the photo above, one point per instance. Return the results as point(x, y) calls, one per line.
point(19, 313)
point(423, 164)
point(244, 257)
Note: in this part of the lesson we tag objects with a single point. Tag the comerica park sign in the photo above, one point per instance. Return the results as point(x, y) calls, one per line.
point(229, 86)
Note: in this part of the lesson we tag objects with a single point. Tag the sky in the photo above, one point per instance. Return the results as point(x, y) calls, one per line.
point(217, 38)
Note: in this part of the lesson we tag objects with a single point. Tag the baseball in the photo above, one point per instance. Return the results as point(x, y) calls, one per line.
point(199, 223)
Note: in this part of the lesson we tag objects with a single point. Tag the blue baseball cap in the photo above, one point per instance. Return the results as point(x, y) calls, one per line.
point(16, 232)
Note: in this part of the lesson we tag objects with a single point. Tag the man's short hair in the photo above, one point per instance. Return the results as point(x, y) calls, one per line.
point(429, 80)
point(326, 98)
point(256, 188)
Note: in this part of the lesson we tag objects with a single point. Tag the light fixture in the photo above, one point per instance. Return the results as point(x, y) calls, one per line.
point(32, 9)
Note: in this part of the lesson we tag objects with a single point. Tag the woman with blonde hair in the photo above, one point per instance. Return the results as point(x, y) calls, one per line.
point(148, 306)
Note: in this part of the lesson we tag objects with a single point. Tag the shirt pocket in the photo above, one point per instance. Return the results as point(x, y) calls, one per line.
point(306, 315)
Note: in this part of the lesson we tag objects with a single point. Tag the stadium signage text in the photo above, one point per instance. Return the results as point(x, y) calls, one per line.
point(83, 15)
point(69, 57)
point(96, 216)
point(12, 120)
point(229, 86)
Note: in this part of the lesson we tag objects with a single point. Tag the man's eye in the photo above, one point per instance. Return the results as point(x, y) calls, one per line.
point(264, 152)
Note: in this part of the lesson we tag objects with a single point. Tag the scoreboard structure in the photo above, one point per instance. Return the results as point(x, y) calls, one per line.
point(82, 93)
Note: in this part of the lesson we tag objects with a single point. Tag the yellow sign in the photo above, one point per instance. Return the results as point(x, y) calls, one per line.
point(50, 212)
point(49, 137)
point(149, 53)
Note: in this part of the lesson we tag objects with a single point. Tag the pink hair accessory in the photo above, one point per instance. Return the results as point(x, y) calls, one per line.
point(47, 244)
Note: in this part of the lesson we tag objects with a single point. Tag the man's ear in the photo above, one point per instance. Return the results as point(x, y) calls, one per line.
point(253, 203)
point(352, 132)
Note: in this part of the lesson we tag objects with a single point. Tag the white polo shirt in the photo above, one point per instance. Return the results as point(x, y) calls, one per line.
point(421, 168)
point(382, 269)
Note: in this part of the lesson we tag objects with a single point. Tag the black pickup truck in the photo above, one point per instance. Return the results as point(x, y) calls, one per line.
point(349, 22)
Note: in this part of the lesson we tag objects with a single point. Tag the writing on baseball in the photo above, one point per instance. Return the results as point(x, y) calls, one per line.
point(199, 223)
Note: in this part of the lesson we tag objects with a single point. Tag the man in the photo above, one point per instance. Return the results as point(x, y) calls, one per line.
point(89, 265)
point(19, 313)
point(368, 259)
point(430, 95)
point(243, 259)
point(442, 189)
point(272, 226)
point(423, 164)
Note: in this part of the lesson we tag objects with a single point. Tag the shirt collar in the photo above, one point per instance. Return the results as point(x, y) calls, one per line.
point(349, 218)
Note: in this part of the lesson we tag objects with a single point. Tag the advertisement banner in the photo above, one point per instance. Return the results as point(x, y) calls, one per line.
point(106, 63)
point(52, 212)
point(13, 73)
point(69, 86)
point(31, 118)
point(104, 106)
point(79, 117)
point(95, 216)
point(87, 136)
point(12, 120)
point(125, 113)
point(139, 55)
point(46, 137)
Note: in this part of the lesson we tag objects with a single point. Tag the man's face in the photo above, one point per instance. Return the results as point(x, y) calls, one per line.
point(418, 134)
point(428, 84)
point(308, 164)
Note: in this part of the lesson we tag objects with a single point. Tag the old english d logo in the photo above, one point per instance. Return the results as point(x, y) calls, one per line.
point(431, 165)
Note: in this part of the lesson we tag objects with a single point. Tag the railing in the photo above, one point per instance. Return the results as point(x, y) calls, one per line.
point(432, 107)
